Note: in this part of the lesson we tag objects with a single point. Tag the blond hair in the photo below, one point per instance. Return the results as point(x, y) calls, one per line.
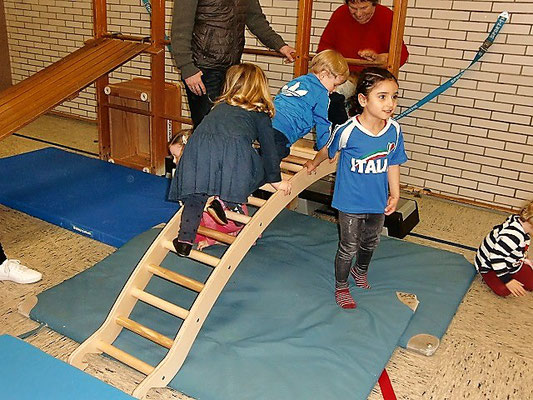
point(246, 86)
point(181, 137)
point(526, 213)
point(331, 61)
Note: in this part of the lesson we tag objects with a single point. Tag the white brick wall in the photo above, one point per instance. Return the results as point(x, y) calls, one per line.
point(475, 141)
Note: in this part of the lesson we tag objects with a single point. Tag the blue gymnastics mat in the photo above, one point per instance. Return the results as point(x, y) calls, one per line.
point(275, 332)
point(107, 202)
point(27, 373)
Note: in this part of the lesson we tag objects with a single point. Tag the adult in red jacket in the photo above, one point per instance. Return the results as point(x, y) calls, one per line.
point(360, 29)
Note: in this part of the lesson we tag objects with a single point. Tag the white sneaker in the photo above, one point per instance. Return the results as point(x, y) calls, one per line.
point(13, 270)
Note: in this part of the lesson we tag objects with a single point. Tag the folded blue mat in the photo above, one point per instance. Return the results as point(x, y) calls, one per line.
point(275, 332)
point(27, 373)
point(104, 201)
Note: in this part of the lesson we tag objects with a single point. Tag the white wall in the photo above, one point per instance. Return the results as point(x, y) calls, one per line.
point(475, 141)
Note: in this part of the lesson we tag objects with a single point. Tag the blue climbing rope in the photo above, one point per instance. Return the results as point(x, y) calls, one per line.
point(502, 19)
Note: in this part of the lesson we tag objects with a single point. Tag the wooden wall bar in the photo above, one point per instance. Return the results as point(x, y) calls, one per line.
point(5, 65)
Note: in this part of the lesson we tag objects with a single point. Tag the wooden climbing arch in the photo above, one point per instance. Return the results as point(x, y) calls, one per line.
point(194, 317)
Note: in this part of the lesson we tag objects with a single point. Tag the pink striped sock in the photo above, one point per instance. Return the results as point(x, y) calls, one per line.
point(360, 279)
point(344, 299)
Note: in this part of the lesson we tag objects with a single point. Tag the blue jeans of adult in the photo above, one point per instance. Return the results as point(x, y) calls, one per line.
point(359, 237)
point(200, 106)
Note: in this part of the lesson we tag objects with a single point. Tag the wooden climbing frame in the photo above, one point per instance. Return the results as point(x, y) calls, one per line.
point(194, 317)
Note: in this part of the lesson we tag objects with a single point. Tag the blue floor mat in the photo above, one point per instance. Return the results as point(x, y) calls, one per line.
point(104, 201)
point(276, 332)
point(27, 373)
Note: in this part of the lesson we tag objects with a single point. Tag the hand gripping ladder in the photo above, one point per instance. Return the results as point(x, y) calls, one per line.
point(208, 292)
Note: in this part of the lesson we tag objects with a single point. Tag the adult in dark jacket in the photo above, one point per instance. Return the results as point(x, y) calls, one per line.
point(208, 38)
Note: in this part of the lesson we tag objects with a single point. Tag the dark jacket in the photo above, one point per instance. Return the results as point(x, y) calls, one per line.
point(210, 33)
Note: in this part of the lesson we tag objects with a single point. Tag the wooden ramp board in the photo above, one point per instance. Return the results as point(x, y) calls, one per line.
point(22, 103)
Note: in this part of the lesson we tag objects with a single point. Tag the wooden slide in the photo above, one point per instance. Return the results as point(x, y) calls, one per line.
point(22, 103)
point(208, 292)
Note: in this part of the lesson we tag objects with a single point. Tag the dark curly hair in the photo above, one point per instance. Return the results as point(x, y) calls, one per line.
point(367, 79)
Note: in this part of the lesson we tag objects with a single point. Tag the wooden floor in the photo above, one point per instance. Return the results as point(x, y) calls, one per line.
point(486, 353)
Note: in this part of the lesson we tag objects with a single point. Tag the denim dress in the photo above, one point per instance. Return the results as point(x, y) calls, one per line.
point(219, 158)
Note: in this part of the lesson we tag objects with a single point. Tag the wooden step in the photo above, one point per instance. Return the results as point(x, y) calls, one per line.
point(158, 302)
point(237, 217)
point(145, 332)
point(124, 357)
point(196, 255)
point(256, 201)
point(217, 235)
point(295, 160)
point(290, 166)
point(176, 278)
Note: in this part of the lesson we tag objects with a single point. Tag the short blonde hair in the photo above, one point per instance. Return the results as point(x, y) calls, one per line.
point(331, 61)
point(246, 86)
point(181, 137)
point(527, 212)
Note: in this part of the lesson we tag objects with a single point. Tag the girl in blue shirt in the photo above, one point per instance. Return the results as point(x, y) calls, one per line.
point(367, 185)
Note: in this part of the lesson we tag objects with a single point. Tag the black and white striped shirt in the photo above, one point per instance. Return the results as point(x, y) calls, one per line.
point(503, 250)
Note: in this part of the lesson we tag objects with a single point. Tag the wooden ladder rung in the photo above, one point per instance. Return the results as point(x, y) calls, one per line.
point(158, 302)
point(286, 176)
point(267, 187)
point(145, 332)
point(237, 217)
point(217, 235)
point(199, 256)
point(124, 357)
point(176, 278)
point(295, 160)
point(291, 166)
point(256, 201)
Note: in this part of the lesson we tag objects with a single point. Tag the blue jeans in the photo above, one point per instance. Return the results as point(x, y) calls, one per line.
point(200, 106)
point(359, 237)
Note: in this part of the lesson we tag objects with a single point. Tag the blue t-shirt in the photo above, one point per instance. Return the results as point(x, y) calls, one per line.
point(361, 184)
point(301, 105)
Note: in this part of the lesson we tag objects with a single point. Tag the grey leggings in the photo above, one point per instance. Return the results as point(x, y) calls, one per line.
point(359, 237)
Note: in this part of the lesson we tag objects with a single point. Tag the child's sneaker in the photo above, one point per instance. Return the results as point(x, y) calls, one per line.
point(182, 249)
point(216, 211)
point(13, 270)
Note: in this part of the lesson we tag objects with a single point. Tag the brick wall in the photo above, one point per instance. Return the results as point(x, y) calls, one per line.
point(475, 141)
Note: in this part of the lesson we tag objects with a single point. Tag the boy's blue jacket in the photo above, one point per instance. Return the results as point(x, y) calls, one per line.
point(301, 105)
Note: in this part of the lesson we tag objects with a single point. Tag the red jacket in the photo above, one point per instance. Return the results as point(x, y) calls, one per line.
point(344, 34)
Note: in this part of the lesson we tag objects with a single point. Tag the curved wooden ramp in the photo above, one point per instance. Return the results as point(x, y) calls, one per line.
point(208, 292)
point(22, 103)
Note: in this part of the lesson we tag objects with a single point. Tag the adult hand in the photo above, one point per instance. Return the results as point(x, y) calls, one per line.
point(516, 288)
point(392, 203)
point(367, 54)
point(288, 52)
point(195, 84)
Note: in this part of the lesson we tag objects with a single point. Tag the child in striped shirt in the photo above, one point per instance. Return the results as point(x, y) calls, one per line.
point(502, 257)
